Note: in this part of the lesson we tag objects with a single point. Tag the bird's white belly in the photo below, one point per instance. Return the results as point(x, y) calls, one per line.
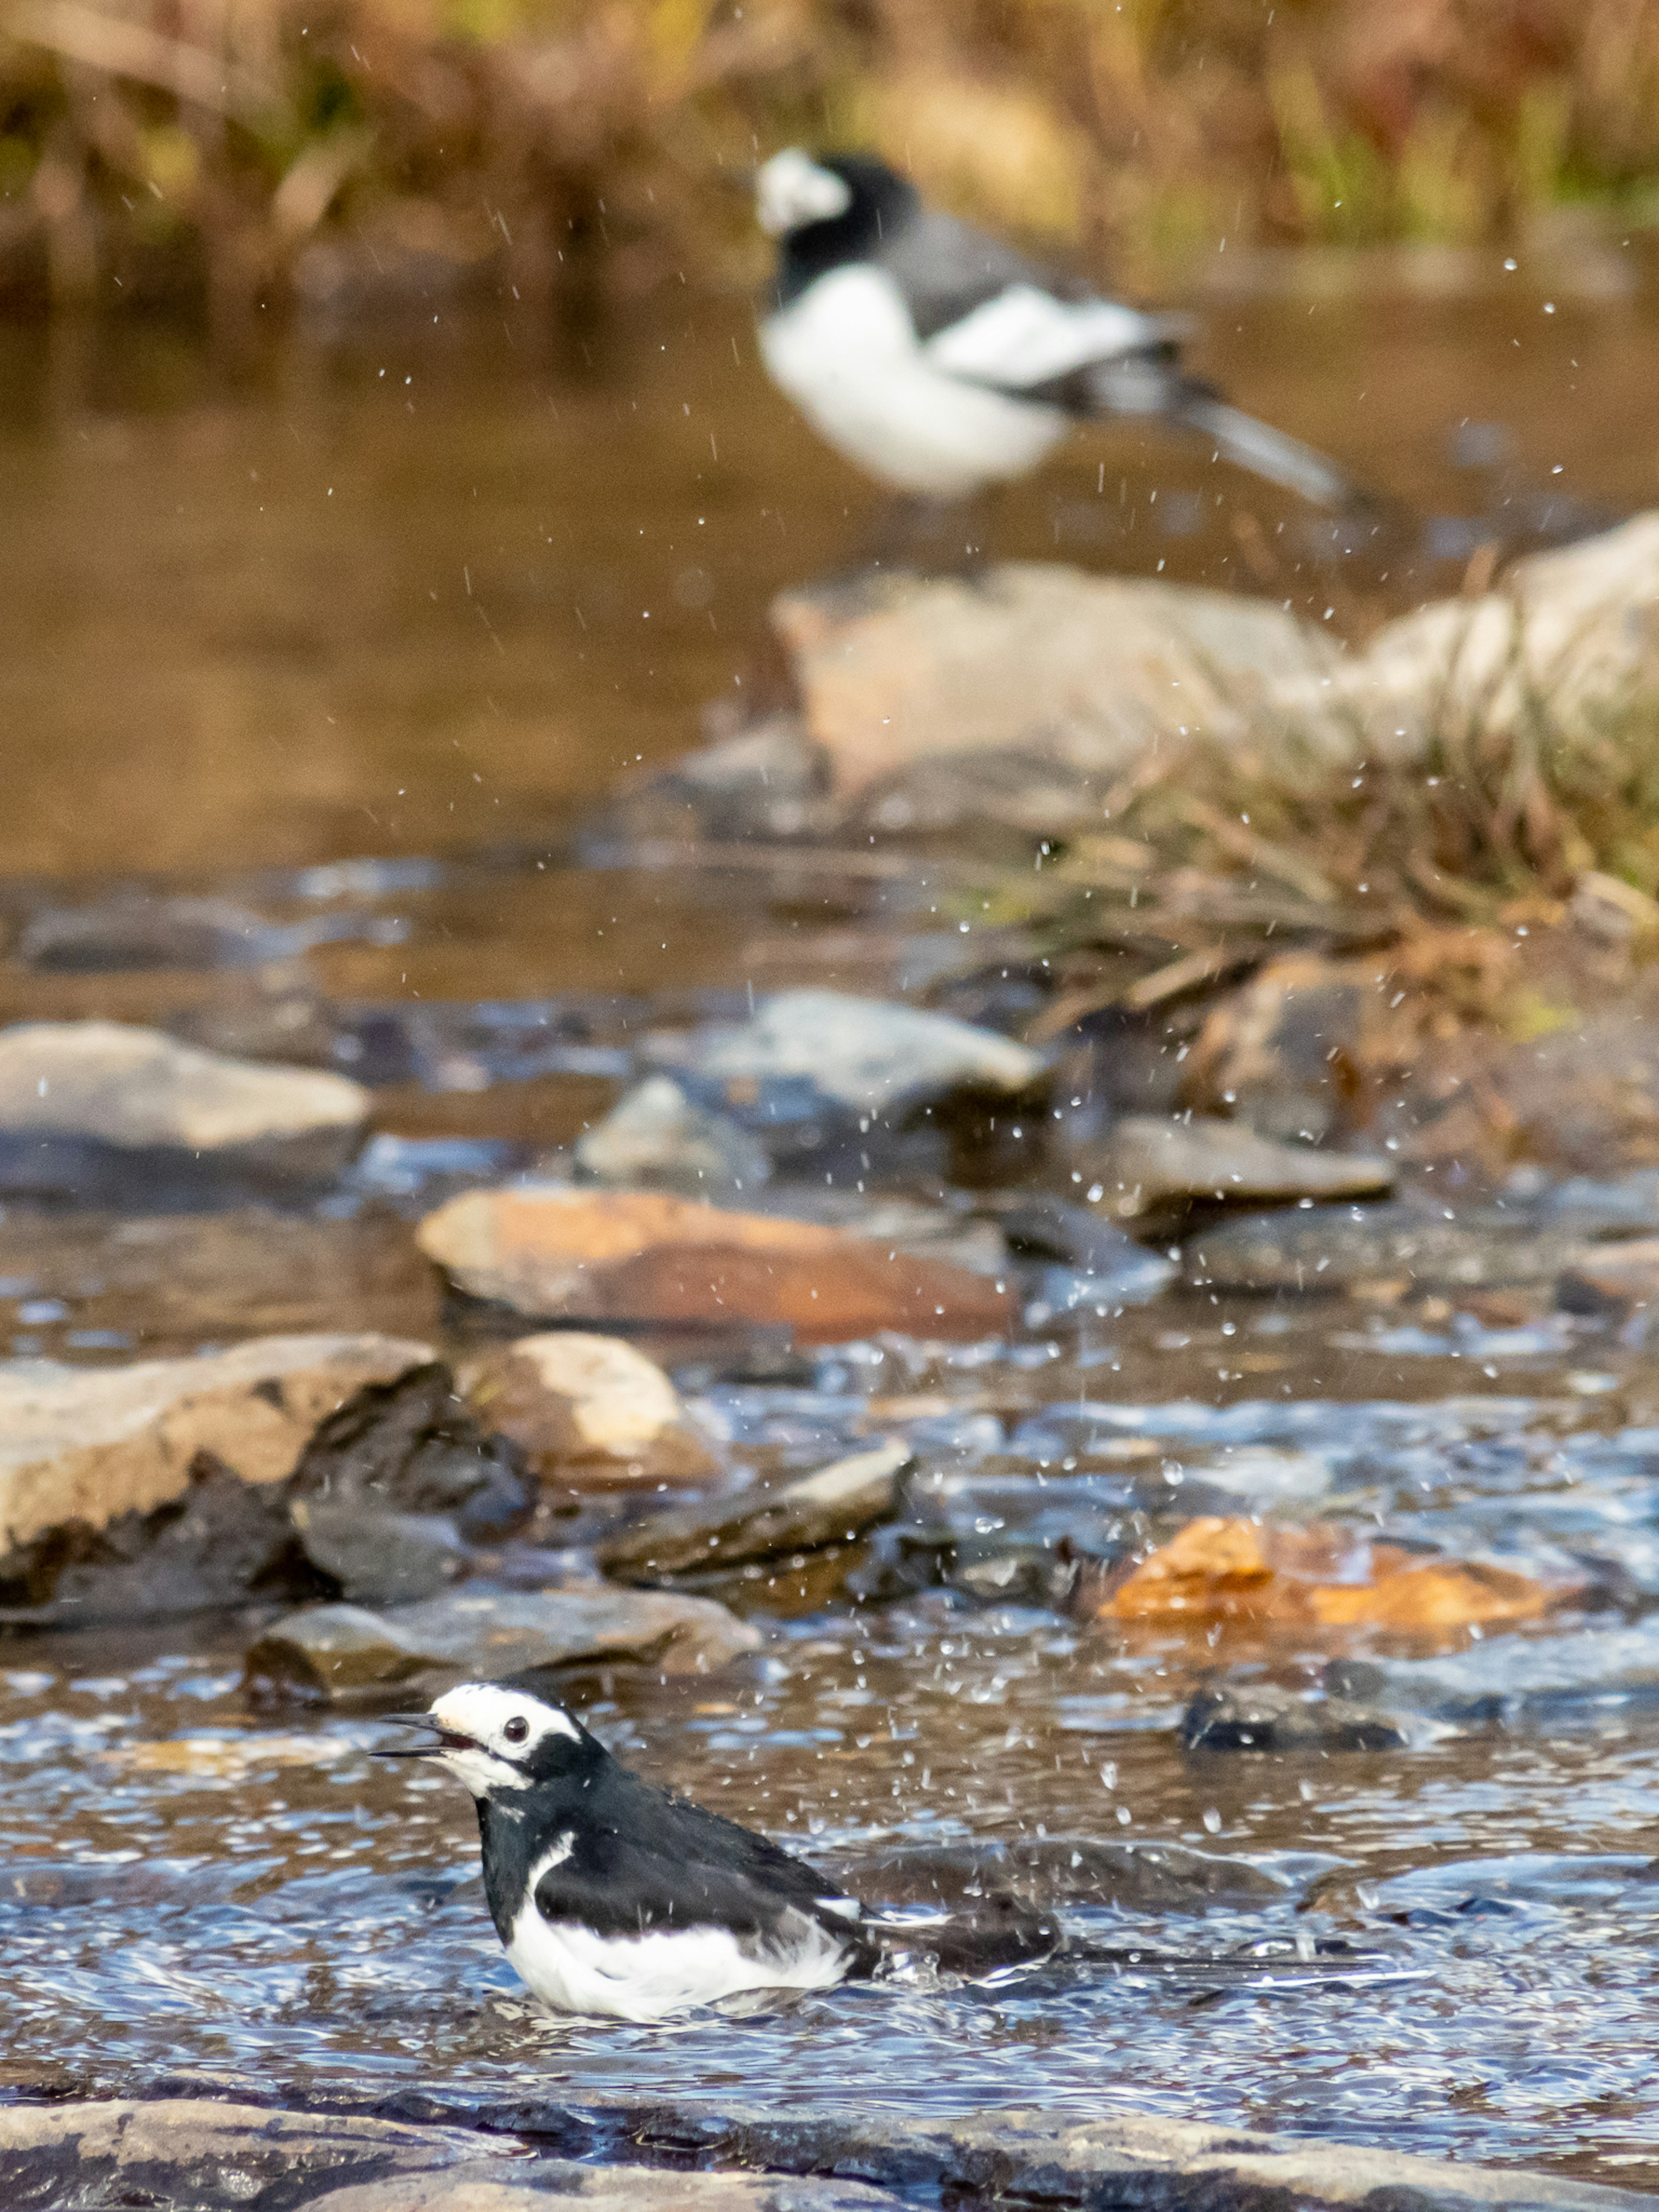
point(846, 352)
point(663, 1970)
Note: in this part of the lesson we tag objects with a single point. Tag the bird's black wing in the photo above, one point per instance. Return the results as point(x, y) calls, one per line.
point(640, 1858)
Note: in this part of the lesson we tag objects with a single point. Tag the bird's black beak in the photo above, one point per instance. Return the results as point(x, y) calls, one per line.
point(439, 1739)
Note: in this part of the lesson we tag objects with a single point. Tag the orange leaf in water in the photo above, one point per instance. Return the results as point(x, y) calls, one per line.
point(1322, 1576)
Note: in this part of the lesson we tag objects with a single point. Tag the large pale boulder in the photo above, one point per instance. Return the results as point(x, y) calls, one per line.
point(1576, 631)
point(90, 1445)
point(1036, 657)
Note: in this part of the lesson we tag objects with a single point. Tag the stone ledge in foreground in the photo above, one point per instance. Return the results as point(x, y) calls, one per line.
point(1117, 2164)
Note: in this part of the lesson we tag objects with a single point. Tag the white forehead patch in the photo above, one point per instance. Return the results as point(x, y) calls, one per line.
point(791, 190)
point(483, 1709)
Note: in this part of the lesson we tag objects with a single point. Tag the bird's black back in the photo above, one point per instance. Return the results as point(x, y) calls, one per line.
point(640, 1859)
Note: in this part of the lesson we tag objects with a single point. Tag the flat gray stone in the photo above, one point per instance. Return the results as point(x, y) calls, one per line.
point(865, 1055)
point(333, 1653)
point(832, 1506)
point(381, 1558)
point(1151, 1165)
point(81, 1102)
point(197, 2154)
point(537, 2186)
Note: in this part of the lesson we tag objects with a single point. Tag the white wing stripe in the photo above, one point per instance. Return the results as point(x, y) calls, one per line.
point(1025, 336)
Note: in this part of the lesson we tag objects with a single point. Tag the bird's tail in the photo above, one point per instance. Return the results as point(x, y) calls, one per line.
point(1268, 453)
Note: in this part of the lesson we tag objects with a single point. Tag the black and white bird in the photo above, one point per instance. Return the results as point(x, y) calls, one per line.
point(941, 360)
point(611, 1897)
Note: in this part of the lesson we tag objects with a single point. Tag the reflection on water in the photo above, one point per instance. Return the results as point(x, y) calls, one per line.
point(421, 596)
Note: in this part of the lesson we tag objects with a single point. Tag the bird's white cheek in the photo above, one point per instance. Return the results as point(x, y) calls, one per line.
point(480, 1771)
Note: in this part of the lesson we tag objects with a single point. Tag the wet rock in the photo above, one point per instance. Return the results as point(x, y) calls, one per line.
point(657, 1139)
point(1264, 1716)
point(1344, 1250)
point(979, 2158)
point(832, 1506)
point(1289, 1049)
point(768, 779)
point(1115, 2160)
point(189, 2154)
point(870, 1056)
point(1081, 671)
point(1153, 1168)
point(333, 1653)
point(380, 1558)
point(163, 1487)
point(548, 2182)
point(588, 1413)
point(556, 1253)
point(1320, 1575)
point(1610, 1282)
point(85, 1106)
point(411, 1446)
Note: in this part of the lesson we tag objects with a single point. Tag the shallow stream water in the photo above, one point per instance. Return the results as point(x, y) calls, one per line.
point(345, 633)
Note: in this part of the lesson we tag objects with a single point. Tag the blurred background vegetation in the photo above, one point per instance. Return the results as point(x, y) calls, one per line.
point(232, 150)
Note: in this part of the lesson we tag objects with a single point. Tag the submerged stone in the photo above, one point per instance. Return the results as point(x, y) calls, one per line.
point(1263, 1716)
point(1340, 1249)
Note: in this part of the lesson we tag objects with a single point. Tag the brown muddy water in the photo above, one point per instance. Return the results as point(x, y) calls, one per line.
point(345, 632)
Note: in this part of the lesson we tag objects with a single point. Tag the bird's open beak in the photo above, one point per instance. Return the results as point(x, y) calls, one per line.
point(439, 1739)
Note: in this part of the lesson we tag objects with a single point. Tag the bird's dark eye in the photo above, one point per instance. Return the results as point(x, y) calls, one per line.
point(516, 1730)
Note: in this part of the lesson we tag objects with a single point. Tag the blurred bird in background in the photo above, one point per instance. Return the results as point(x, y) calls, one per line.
point(939, 361)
